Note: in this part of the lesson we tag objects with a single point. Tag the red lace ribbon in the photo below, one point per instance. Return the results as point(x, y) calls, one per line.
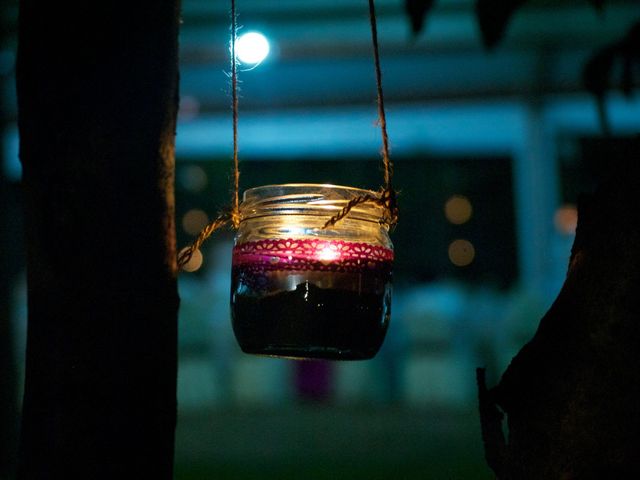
point(312, 254)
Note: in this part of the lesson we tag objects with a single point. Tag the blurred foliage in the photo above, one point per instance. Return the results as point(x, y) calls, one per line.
point(417, 11)
point(493, 18)
point(600, 69)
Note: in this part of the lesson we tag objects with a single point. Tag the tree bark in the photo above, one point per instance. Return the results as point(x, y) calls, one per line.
point(97, 97)
point(11, 262)
point(571, 395)
point(11, 258)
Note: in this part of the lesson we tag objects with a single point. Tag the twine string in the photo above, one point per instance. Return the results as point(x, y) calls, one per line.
point(187, 253)
point(385, 198)
point(235, 212)
point(232, 215)
point(382, 117)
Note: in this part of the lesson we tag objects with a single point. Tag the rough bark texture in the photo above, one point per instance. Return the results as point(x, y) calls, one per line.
point(97, 97)
point(572, 394)
point(10, 260)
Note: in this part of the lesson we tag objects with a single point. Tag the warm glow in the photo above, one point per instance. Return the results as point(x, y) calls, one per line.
point(461, 252)
point(566, 219)
point(194, 263)
point(458, 209)
point(328, 254)
point(194, 220)
point(252, 48)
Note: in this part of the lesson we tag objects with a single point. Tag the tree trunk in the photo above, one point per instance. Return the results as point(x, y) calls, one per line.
point(11, 261)
point(572, 394)
point(11, 258)
point(97, 98)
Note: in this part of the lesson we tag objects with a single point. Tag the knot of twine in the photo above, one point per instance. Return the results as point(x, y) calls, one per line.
point(220, 221)
point(386, 197)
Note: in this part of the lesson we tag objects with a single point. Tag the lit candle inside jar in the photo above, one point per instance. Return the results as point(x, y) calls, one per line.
point(326, 294)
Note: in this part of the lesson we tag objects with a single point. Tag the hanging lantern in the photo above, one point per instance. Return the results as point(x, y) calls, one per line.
point(302, 290)
point(311, 269)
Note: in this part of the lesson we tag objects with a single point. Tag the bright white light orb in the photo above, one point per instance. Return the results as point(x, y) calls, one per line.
point(252, 48)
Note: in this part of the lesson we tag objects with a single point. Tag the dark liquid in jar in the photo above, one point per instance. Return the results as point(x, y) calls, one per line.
point(346, 320)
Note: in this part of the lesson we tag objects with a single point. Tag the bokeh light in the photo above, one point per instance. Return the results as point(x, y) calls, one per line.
point(193, 178)
point(194, 263)
point(461, 252)
point(458, 209)
point(566, 219)
point(189, 108)
point(194, 220)
point(252, 48)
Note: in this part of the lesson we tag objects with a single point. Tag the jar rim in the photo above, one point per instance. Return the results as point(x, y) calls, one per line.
point(257, 190)
point(308, 199)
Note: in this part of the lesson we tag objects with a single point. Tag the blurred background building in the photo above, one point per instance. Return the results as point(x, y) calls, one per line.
point(491, 149)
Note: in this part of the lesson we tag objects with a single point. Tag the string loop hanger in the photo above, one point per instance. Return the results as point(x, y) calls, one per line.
point(229, 215)
point(235, 210)
point(386, 197)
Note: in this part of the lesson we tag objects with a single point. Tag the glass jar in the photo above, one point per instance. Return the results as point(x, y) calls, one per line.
point(299, 290)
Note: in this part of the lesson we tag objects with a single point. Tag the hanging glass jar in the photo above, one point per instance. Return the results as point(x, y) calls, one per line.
point(300, 290)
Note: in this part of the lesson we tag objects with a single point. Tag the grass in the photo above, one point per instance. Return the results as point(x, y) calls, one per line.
point(317, 442)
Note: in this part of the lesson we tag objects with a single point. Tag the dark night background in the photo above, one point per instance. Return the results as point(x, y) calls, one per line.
point(513, 130)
